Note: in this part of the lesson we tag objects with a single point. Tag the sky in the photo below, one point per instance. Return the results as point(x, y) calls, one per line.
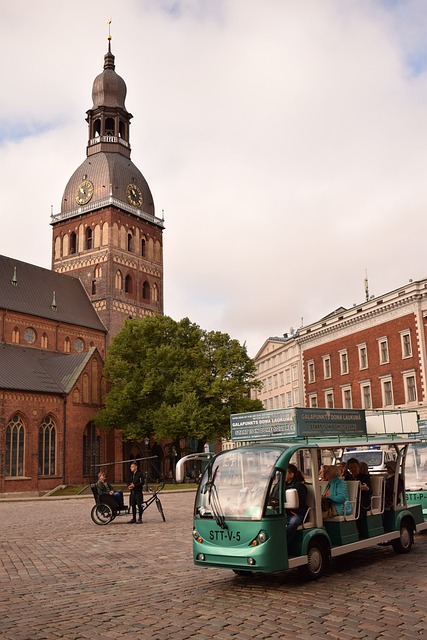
point(285, 141)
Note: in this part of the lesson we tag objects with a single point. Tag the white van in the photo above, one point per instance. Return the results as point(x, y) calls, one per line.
point(375, 457)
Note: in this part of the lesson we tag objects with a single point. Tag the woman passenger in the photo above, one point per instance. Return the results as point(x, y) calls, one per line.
point(335, 493)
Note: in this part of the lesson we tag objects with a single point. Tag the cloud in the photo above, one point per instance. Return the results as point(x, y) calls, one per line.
point(286, 143)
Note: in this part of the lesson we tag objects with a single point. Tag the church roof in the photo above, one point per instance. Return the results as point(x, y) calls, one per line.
point(27, 369)
point(29, 289)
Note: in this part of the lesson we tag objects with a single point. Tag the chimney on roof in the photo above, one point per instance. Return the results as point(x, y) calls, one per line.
point(14, 278)
point(53, 305)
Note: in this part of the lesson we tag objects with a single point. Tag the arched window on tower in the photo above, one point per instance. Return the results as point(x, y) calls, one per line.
point(93, 290)
point(109, 127)
point(128, 284)
point(15, 447)
point(44, 341)
point(143, 247)
point(89, 238)
point(47, 447)
point(122, 129)
point(130, 241)
point(118, 282)
point(15, 335)
point(73, 242)
point(146, 291)
point(96, 128)
point(67, 345)
point(155, 293)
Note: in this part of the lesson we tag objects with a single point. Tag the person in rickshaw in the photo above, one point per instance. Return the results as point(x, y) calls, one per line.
point(107, 494)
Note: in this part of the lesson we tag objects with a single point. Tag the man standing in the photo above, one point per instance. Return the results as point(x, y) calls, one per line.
point(135, 488)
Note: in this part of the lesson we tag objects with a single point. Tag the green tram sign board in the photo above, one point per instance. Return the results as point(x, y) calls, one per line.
point(280, 424)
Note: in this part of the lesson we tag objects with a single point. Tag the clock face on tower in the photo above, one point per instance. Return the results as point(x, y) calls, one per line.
point(134, 195)
point(84, 192)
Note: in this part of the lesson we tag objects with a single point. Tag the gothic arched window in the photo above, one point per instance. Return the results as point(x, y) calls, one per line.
point(15, 444)
point(47, 447)
point(91, 450)
point(119, 280)
point(146, 291)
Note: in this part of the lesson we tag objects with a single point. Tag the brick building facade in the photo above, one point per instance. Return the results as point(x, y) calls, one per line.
point(370, 356)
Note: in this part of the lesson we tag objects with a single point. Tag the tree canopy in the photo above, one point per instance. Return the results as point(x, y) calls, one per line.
point(174, 380)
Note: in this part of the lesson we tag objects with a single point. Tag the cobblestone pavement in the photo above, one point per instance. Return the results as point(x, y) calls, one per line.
point(61, 576)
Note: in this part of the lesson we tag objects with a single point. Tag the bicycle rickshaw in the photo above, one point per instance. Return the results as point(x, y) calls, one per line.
point(106, 510)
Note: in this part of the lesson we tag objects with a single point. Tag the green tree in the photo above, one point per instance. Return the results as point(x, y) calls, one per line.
point(174, 380)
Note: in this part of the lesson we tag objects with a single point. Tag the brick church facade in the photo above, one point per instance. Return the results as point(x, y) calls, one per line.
point(107, 265)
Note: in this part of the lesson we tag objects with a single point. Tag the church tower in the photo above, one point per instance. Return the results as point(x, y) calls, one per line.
point(107, 233)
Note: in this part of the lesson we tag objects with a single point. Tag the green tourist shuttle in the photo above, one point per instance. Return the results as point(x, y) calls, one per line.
point(241, 502)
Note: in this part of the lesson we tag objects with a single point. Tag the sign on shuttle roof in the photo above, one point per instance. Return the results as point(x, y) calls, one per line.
point(298, 422)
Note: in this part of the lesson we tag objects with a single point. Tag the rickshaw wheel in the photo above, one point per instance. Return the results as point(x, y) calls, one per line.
point(101, 514)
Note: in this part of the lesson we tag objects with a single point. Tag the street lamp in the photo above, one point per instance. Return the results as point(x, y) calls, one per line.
point(147, 442)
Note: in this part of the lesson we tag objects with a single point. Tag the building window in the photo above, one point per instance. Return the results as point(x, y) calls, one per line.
point(44, 341)
point(311, 371)
point(15, 335)
point(312, 400)
point(109, 127)
point(288, 376)
point(275, 382)
point(365, 392)
point(128, 284)
point(29, 335)
point(93, 287)
point(47, 448)
point(282, 400)
point(89, 238)
point(329, 399)
point(347, 401)
point(118, 280)
point(363, 356)
point(130, 242)
point(281, 378)
point(406, 344)
point(327, 366)
point(67, 345)
point(410, 387)
point(143, 247)
point(296, 397)
point(146, 291)
point(15, 445)
point(344, 362)
point(295, 373)
point(383, 347)
point(73, 242)
point(288, 399)
point(91, 450)
point(387, 392)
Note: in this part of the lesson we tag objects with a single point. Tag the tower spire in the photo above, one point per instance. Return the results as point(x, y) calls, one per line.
point(109, 21)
